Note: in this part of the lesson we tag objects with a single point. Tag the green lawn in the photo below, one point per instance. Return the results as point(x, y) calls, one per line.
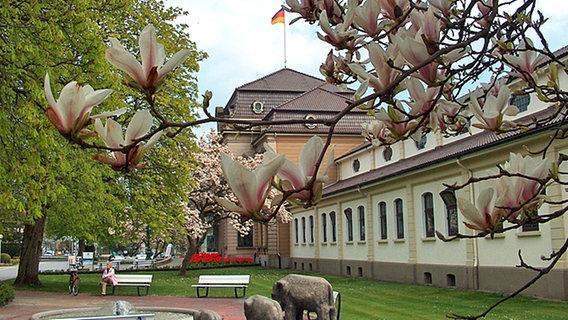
point(362, 299)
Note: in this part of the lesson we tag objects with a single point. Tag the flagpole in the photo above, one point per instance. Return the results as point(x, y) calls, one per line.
point(284, 40)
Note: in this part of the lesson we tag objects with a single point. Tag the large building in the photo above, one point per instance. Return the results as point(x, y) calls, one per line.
point(284, 94)
point(379, 219)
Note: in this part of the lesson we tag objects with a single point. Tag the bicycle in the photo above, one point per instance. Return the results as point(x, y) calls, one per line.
point(74, 282)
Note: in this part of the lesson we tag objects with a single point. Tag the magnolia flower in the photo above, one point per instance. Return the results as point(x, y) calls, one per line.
point(151, 72)
point(339, 36)
point(515, 192)
point(396, 121)
point(490, 115)
point(112, 136)
point(250, 187)
point(375, 131)
point(384, 74)
point(295, 177)
point(443, 6)
point(304, 7)
point(394, 9)
point(70, 113)
point(485, 217)
point(367, 16)
point(422, 99)
point(526, 62)
point(416, 53)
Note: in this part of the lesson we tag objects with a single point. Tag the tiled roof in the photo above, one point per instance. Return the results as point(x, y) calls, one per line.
point(287, 80)
point(349, 124)
point(439, 154)
point(316, 99)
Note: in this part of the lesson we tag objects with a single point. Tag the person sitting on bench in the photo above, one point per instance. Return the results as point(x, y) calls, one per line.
point(108, 277)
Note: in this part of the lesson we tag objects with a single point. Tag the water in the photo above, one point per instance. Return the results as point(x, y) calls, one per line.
point(119, 308)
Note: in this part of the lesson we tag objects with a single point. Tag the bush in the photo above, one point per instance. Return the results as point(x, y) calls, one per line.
point(5, 258)
point(7, 294)
point(208, 258)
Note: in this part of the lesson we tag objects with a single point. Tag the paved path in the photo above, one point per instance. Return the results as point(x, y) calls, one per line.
point(28, 303)
point(8, 273)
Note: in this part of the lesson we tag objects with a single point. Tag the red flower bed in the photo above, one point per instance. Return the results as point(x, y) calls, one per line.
point(216, 258)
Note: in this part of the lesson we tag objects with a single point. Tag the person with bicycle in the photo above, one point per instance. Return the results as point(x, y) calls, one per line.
point(108, 277)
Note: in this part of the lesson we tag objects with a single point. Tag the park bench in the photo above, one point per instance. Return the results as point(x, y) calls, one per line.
point(134, 280)
point(229, 281)
point(337, 302)
point(138, 264)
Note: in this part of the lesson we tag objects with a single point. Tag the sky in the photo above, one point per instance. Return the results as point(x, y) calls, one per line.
point(243, 45)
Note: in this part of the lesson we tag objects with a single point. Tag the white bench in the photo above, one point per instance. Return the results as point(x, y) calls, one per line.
point(337, 302)
point(230, 281)
point(143, 264)
point(134, 280)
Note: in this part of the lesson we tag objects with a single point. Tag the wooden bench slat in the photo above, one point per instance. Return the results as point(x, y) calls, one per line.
point(220, 286)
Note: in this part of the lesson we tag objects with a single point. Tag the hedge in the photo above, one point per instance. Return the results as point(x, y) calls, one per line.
point(7, 294)
point(5, 258)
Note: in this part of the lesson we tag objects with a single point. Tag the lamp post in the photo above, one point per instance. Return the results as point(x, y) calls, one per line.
point(148, 249)
point(1, 237)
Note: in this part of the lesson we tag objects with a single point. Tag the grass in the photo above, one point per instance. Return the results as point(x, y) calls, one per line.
point(362, 299)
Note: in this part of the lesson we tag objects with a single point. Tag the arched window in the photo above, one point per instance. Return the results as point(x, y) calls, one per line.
point(245, 240)
point(311, 219)
point(332, 218)
point(399, 219)
point(349, 222)
point(428, 205)
point(383, 220)
point(361, 211)
point(420, 144)
point(449, 198)
point(521, 101)
point(387, 153)
point(324, 227)
point(356, 165)
point(303, 229)
point(296, 234)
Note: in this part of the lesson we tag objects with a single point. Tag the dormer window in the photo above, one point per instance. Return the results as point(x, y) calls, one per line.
point(257, 107)
point(310, 125)
point(356, 165)
point(521, 101)
point(387, 153)
point(420, 144)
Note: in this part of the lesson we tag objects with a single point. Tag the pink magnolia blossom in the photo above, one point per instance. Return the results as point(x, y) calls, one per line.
point(526, 62)
point(250, 187)
point(515, 192)
point(375, 131)
point(384, 75)
point(152, 70)
point(484, 216)
point(295, 177)
point(444, 6)
point(490, 113)
point(339, 36)
point(112, 136)
point(367, 16)
point(394, 9)
point(396, 121)
point(422, 99)
point(70, 113)
point(416, 53)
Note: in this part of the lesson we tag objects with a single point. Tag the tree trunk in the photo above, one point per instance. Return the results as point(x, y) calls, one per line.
point(81, 247)
point(192, 248)
point(28, 270)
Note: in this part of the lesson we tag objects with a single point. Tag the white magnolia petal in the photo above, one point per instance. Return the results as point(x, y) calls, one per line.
point(229, 205)
point(139, 125)
point(96, 97)
point(109, 114)
point(114, 138)
point(148, 49)
point(176, 60)
point(309, 155)
point(124, 60)
point(48, 93)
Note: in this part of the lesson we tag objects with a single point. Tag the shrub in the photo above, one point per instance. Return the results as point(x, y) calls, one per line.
point(5, 258)
point(216, 258)
point(7, 294)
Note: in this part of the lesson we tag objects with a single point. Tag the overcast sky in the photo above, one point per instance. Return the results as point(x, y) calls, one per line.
point(243, 45)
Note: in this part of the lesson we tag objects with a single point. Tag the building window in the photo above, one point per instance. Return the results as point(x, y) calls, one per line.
point(303, 229)
point(387, 153)
point(420, 144)
point(348, 270)
point(310, 125)
point(311, 219)
point(399, 219)
point(296, 230)
point(521, 101)
point(356, 165)
point(449, 198)
point(245, 240)
point(257, 107)
point(451, 280)
point(360, 271)
point(427, 278)
point(530, 227)
point(361, 211)
point(333, 226)
point(383, 220)
point(324, 227)
point(428, 203)
point(349, 222)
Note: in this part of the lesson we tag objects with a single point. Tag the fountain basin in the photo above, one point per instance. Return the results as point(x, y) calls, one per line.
point(160, 313)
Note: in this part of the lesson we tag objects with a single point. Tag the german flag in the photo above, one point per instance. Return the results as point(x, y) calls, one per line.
point(278, 17)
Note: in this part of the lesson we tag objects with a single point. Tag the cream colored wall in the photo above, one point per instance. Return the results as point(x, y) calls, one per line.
point(356, 249)
point(410, 148)
point(303, 249)
point(329, 249)
point(346, 164)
